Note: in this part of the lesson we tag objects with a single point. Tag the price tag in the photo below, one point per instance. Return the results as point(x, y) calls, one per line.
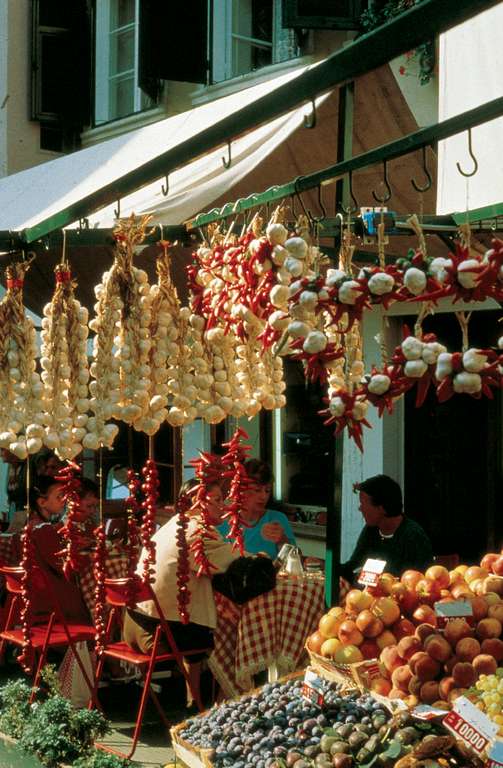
point(371, 571)
point(495, 754)
point(453, 609)
point(425, 712)
point(312, 688)
point(470, 724)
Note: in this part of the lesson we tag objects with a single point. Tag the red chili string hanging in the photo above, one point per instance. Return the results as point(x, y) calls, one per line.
point(69, 476)
point(182, 565)
point(133, 536)
point(150, 488)
point(208, 470)
point(27, 562)
point(236, 455)
point(100, 573)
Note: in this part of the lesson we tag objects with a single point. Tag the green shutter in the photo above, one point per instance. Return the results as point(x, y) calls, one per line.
point(322, 14)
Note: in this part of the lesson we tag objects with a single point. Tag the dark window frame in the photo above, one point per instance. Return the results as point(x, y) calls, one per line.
point(293, 19)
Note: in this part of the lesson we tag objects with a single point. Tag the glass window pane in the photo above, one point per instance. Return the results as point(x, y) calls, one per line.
point(53, 13)
point(246, 57)
point(252, 18)
point(121, 97)
point(122, 12)
point(324, 8)
point(122, 52)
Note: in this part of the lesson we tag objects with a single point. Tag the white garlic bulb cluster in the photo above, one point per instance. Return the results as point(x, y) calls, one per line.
point(22, 412)
point(465, 375)
point(120, 371)
point(419, 355)
point(188, 380)
point(226, 392)
point(65, 369)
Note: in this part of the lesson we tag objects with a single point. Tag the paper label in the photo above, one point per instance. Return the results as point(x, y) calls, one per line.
point(470, 724)
point(453, 609)
point(371, 571)
point(495, 754)
point(425, 712)
point(312, 688)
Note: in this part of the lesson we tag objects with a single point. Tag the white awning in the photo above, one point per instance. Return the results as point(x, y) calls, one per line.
point(33, 195)
point(471, 63)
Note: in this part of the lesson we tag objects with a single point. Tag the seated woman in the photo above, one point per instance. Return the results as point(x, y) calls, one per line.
point(47, 505)
point(264, 530)
point(140, 625)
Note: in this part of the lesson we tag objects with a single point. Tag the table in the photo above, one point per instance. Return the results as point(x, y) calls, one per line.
point(266, 632)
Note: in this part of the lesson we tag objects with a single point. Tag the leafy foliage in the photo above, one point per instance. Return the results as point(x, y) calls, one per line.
point(58, 733)
point(101, 760)
point(15, 708)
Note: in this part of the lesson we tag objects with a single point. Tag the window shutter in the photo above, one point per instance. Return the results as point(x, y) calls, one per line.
point(173, 43)
point(322, 14)
point(61, 62)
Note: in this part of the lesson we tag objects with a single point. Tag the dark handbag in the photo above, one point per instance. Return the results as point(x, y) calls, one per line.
point(246, 578)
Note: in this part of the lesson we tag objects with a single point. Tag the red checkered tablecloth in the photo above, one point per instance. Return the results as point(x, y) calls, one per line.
point(269, 630)
point(116, 568)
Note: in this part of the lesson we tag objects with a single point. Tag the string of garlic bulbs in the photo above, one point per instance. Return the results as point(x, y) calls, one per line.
point(121, 370)
point(65, 370)
point(21, 391)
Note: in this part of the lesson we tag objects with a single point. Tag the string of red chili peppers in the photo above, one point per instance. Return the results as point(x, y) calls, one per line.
point(182, 507)
point(26, 656)
point(69, 477)
point(150, 489)
point(100, 574)
point(234, 459)
point(208, 471)
point(133, 537)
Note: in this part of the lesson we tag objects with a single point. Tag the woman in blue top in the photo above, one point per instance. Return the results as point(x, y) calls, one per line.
point(264, 530)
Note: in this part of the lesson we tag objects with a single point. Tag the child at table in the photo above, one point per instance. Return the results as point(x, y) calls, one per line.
point(43, 528)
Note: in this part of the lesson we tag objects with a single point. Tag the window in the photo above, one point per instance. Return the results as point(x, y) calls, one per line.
point(243, 38)
point(323, 14)
point(116, 64)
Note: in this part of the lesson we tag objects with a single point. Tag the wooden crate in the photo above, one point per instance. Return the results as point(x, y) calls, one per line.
point(350, 676)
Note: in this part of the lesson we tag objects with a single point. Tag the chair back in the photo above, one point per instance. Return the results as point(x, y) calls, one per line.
point(13, 578)
point(124, 592)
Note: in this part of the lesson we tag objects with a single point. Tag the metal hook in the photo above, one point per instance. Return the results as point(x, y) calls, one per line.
point(227, 161)
point(117, 211)
point(165, 187)
point(428, 184)
point(292, 207)
point(470, 152)
point(351, 208)
point(385, 181)
point(310, 120)
point(319, 219)
point(306, 212)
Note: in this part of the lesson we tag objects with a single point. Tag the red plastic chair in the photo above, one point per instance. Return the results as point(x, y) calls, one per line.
point(118, 596)
point(52, 631)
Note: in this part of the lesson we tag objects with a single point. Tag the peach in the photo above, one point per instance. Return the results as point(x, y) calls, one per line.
point(456, 630)
point(400, 677)
point(386, 609)
point(475, 572)
point(455, 694)
point(330, 647)
point(479, 608)
point(488, 628)
point(484, 664)
point(349, 634)
point(426, 668)
point(385, 638)
point(408, 646)
point(369, 649)
point(329, 625)
point(438, 648)
point(449, 664)
point(491, 599)
point(315, 641)
point(424, 614)
point(445, 686)
point(493, 584)
point(414, 685)
point(410, 578)
point(467, 649)
point(429, 692)
point(402, 628)
point(390, 658)
point(493, 647)
point(423, 631)
point(496, 612)
point(381, 686)
point(357, 600)
point(439, 574)
point(464, 674)
point(368, 624)
point(415, 658)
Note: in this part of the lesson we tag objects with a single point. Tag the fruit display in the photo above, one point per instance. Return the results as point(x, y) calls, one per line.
point(487, 694)
point(395, 622)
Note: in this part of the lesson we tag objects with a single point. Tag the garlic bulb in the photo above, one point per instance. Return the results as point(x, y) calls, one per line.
point(415, 281)
point(297, 247)
point(431, 351)
point(468, 275)
point(315, 341)
point(379, 384)
point(412, 348)
point(414, 369)
point(474, 360)
point(22, 411)
point(380, 284)
point(438, 268)
point(277, 234)
point(467, 383)
point(444, 366)
point(349, 292)
point(121, 346)
point(65, 368)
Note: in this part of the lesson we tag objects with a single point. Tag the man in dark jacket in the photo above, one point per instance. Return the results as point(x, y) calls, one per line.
point(388, 535)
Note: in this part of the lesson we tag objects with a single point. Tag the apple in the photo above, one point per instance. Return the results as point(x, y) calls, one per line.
point(424, 614)
point(386, 609)
point(475, 572)
point(386, 582)
point(488, 560)
point(380, 685)
point(337, 611)
point(348, 654)
point(357, 600)
point(498, 566)
point(329, 625)
point(428, 591)
point(410, 578)
point(330, 647)
point(369, 649)
point(402, 628)
point(368, 624)
point(349, 634)
point(479, 608)
point(385, 638)
point(439, 575)
point(315, 641)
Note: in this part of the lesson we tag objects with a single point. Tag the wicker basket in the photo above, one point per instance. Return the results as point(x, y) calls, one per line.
point(350, 676)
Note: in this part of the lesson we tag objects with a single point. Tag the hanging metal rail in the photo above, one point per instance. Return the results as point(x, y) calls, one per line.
point(414, 26)
point(413, 141)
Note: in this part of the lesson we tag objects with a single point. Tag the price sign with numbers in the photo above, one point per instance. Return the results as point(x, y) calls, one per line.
point(470, 724)
point(495, 754)
point(453, 609)
point(312, 688)
point(371, 571)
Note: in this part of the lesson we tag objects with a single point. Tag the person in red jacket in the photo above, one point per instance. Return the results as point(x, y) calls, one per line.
point(51, 588)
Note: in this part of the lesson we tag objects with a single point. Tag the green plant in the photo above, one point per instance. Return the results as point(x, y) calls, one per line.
point(98, 759)
point(15, 708)
point(58, 733)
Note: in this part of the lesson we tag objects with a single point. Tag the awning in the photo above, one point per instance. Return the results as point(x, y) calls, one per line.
point(41, 192)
